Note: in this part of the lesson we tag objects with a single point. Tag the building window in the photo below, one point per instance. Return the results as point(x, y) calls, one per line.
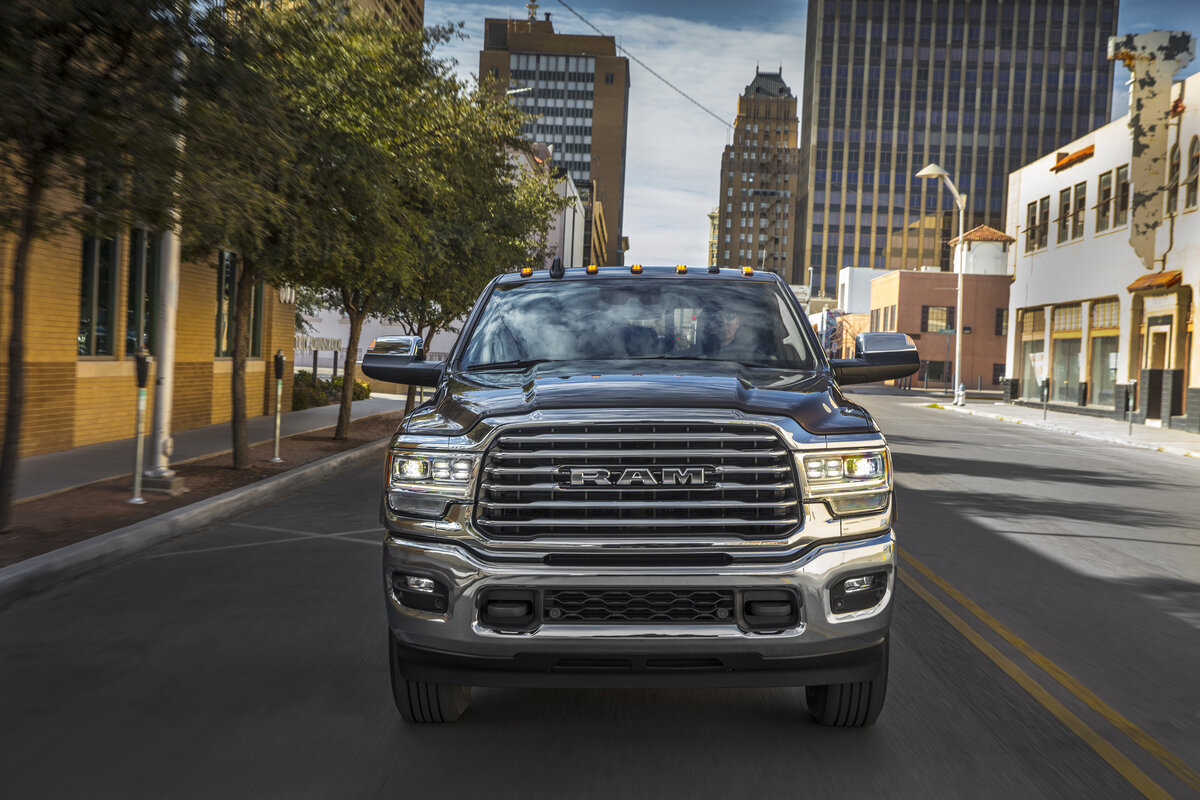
point(1193, 174)
point(1104, 202)
point(997, 374)
point(937, 319)
point(227, 273)
point(1064, 215)
point(609, 77)
point(494, 72)
point(1080, 209)
point(97, 299)
point(141, 307)
point(1002, 322)
point(1173, 181)
point(1043, 237)
point(1121, 211)
point(1031, 225)
point(1037, 224)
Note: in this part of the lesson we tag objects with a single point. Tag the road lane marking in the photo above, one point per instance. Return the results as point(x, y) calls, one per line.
point(1115, 758)
point(297, 536)
point(1142, 739)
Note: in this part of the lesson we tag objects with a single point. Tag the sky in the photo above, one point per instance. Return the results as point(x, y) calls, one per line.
point(709, 49)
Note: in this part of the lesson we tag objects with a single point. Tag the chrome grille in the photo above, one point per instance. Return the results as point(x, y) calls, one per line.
point(749, 487)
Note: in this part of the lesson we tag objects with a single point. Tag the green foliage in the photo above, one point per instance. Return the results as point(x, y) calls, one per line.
point(310, 392)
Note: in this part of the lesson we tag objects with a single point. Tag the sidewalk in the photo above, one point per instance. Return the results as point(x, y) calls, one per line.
point(1107, 430)
point(54, 472)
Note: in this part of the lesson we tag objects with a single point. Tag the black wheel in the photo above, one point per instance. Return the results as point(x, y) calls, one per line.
point(849, 705)
point(418, 701)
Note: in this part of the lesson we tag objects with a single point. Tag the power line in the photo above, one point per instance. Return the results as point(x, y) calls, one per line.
point(642, 64)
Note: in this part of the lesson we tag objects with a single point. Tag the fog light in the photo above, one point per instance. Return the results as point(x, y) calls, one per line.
point(419, 584)
point(859, 584)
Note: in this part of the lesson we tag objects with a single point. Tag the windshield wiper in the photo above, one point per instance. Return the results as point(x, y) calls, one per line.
point(518, 363)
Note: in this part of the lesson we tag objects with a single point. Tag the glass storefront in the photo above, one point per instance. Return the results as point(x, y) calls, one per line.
point(1102, 379)
point(1031, 387)
point(1064, 381)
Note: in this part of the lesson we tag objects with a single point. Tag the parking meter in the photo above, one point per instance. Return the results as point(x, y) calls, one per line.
point(142, 372)
point(278, 401)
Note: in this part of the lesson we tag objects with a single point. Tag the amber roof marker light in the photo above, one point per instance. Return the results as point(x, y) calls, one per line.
point(526, 272)
point(592, 269)
point(747, 270)
point(636, 269)
point(681, 269)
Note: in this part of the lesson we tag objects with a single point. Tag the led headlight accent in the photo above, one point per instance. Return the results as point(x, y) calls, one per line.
point(446, 474)
point(851, 482)
point(422, 484)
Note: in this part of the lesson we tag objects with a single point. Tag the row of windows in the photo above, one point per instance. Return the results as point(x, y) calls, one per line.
point(545, 62)
point(99, 307)
point(1112, 210)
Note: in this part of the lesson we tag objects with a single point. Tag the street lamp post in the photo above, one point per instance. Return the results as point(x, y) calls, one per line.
point(960, 200)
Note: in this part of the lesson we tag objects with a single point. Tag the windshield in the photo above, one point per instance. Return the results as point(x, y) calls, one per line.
point(748, 323)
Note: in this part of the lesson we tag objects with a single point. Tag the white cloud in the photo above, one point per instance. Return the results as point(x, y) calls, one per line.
point(673, 155)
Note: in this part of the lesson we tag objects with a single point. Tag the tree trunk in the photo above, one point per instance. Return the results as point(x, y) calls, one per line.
point(242, 307)
point(10, 451)
point(349, 371)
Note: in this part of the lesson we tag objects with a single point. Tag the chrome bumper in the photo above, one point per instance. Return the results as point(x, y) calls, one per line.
point(824, 647)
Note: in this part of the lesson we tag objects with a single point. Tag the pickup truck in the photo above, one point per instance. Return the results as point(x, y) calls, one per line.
point(639, 477)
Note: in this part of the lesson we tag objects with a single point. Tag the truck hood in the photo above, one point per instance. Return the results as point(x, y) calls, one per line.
point(810, 398)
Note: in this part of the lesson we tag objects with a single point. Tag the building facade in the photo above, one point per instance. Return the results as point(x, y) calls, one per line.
point(1089, 319)
point(92, 302)
point(577, 87)
point(923, 305)
point(979, 87)
point(759, 175)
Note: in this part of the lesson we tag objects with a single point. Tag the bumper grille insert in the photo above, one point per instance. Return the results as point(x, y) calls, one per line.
point(634, 606)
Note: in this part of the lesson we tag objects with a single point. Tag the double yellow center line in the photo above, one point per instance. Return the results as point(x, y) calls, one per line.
point(1118, 760)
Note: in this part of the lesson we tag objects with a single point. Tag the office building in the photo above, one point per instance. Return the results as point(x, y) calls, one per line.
point(979, 87)
point(578, 89)
point(759, 176)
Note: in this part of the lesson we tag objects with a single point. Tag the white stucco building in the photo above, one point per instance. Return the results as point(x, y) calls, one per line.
point(1086, 312)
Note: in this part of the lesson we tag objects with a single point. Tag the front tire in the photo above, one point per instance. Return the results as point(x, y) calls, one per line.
point(849, 705)
point(420, 701)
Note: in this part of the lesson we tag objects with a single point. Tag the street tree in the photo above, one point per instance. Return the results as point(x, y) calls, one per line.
point(435, 207)
point(88, 95)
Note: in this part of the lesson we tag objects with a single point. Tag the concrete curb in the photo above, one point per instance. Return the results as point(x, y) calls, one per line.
point(1050, 426)
point(42, 572)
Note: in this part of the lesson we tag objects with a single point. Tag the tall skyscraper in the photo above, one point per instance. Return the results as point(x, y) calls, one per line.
point(980, 87)
point(578, 87)
point(759, 179)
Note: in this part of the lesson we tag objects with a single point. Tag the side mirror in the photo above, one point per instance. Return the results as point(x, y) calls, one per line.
point(401, 359)
point(878, 357)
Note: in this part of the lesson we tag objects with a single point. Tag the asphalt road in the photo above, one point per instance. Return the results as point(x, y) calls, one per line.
point(249, 660)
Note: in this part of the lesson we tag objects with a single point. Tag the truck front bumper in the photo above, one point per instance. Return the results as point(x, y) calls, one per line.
point(445, 637)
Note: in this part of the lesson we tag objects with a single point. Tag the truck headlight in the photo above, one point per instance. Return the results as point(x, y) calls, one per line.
point(423, 483)
point(851, 482)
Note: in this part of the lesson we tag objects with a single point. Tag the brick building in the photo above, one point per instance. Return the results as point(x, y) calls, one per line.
point(759, 175)
point(90, 302)
point(922, 304)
